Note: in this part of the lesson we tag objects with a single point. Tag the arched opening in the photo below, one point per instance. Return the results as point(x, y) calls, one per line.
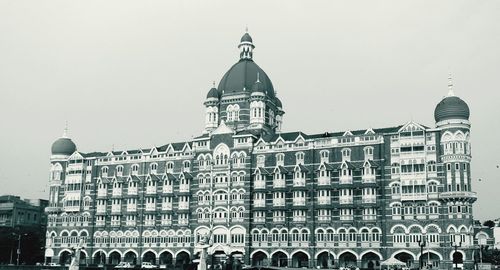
point(405, 257)
point(279, 259)
point(149, 257)
point(458, 259)
point(370, 260)
point(99, 258)
point(114, 257)
point(347, 259)
point(218, 258)
point(325, 260)
point(182, 260)
point(300, 259)
point(259, 258)
point(83, 258)
point(166, 259)
point(130, 257)
point(65, 258)
point(431, 260)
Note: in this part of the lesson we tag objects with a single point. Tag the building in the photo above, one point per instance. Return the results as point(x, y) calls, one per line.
point(16, 212)
point(270, 197)
point(23, 224)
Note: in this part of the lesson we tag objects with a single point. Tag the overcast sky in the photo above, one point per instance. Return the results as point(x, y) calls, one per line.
point(135, 74)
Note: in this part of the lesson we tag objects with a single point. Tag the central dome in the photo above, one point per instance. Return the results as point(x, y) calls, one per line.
point(242, 76)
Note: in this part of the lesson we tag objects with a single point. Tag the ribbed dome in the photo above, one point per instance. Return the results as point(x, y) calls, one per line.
point(243, 75)
point(246, 38)
point(258, 87)
point(278, 103)
point(63, 146)
point(451, 107)
point(213, 93)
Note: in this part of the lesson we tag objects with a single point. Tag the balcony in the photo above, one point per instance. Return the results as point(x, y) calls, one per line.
point(279, 183)
point(221, 185)
point(299, 219)
point(117, 192)
point(151, 190)
point(131, 208)
point(299, 201)
point(166, 206)
point(324, 200)
point(183, 206)
point(166, 222)
point(101, 209)
point(324, 181)
point(368, 178)
point(52, 209)
point(102, 193)
point(184, 188)
point(116, 209)
point(345, 200)
point(462, 195)
point(259, 203)
point(220, 220)
point(260, 184)
point(259, 219)
point(278, 219)
point(324, 218)
point(345, 179)
point(278, 202)
point(149, 222)
point(130, 223)
point(132, 191)
point(369, 199)
point(167, 189)
point(150, 207)
point(369, 217)
point(346, 217)
point(299, 182)
point(414, 196)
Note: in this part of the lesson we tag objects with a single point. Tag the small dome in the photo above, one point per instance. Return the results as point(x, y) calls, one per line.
point(246, 38)
point(451, 107)
point(278, 103)
point(257, 87)
point(213, 93)
point(63, 146)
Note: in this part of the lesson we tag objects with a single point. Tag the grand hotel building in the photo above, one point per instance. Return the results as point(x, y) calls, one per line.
point(355, 197)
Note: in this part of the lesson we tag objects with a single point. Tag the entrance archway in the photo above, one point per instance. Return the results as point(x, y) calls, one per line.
point(83, 257)
point(300, 259)
point(149, 257)
point(279, 259)
point(166, 258)
point(259, 258)
point(182, 260)
point(325, 260)
point(65, 258)
point(458, 259)
point(370, 260)
point(114, 257)
point(431, 260)
point(348, 259)
point(100, 258)
point(405, 257)
point(130, 257)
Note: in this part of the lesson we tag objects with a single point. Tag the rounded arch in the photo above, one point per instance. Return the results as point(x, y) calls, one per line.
point(64, 250)
point(420, 228)
point(371, 251)
point(180, 251)
point(431, 252)
point(397, 252)
point(346, 251)
point(393, 229)
point(452, 253)
point(434, 226)
point(300, 250)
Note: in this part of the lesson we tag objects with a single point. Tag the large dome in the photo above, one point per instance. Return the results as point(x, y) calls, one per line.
point(242, 76)
point(63, 146)
point(451, 107)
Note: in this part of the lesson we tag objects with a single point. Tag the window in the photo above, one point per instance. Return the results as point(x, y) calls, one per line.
point(346, 154)
point(395, 189)
point(153, 167)
point(300, 158)
point(395, 168)
point(368, 152)
point(324, 156)
point(135, 169)
point(448, 167)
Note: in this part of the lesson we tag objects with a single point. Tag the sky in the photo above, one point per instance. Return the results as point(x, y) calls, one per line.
point(134, 74)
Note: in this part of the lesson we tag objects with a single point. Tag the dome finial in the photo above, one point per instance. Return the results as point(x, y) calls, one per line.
point(213, 84)
point(65, 132)
point(246, 29)
point(450, 86)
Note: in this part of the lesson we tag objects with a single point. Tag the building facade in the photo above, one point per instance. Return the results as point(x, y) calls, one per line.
point(350, 198)
point(16, 212)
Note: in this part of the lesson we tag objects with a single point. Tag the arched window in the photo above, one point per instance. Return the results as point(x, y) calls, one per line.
point(135, 169)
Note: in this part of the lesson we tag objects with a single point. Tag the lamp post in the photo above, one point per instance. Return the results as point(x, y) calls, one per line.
point(18, 251)
point(453, 244)
point(421, 244)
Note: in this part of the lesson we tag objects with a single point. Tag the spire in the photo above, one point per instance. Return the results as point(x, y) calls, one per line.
point(65, 132)
point(450, 86)
point(258, 77)
point(213, 84)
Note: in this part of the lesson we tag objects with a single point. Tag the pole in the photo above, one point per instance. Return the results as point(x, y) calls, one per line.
point(18, 248)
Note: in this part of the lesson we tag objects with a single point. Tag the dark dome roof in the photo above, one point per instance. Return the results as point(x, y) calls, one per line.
point(246, 38)
point(278, 103)
point(213, 93)
point(243, 75)
point(63, 146)
point(451, 107)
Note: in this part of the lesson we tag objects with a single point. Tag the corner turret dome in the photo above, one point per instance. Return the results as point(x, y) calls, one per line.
point(213, 93)
point(451, 107)
point(246, 38)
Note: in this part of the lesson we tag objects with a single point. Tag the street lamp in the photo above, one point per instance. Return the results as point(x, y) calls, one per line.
point(421, 244)
point(453, 244)
point(18, 245)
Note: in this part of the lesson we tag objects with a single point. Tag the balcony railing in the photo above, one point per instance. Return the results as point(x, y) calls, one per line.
point(279, 202)
point(167, 189)
point(132, 191)
point(259, 203)
point(184, 188)
point(260, 184)
point(324, 200)
point(368, 178)
point(345, 200)
point(324, 181)
point(299, 201)
point(279, 183)
point(299, 182)
point(345, 179)
point(369, 199)
point(166, 206)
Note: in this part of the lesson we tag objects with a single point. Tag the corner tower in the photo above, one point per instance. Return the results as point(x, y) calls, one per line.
point(452, 119)
point(245, 98)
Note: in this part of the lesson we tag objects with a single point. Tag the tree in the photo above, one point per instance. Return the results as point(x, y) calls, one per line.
point(489, 223)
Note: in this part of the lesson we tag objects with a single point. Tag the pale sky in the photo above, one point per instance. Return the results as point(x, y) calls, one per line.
point(135, 73)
